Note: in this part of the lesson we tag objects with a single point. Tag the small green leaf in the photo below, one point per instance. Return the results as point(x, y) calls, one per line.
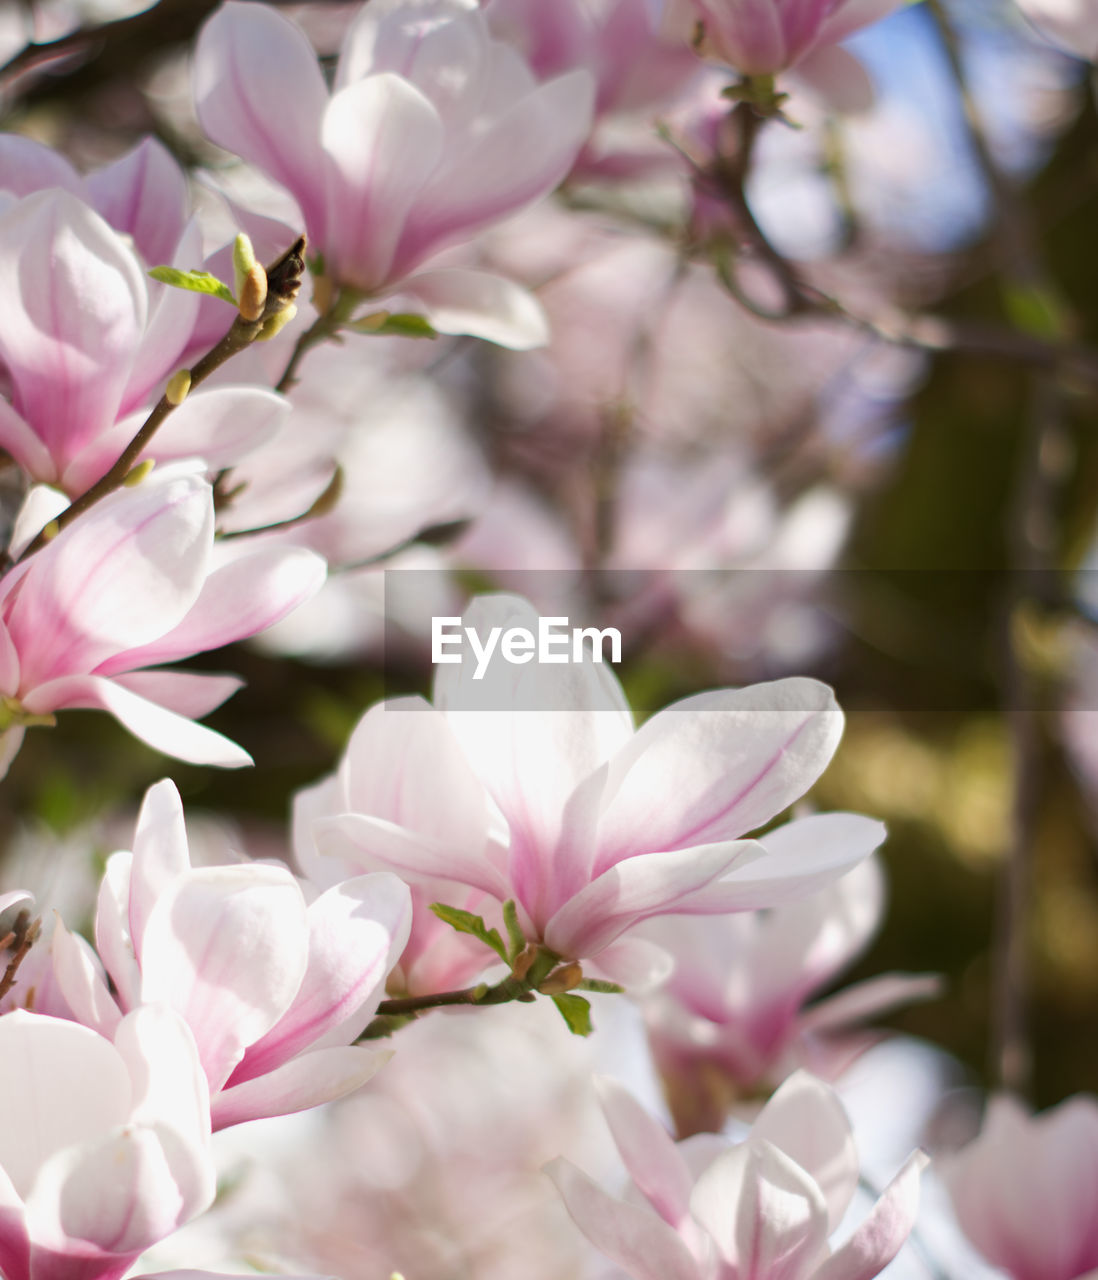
point(576, 1011)
point(466, 922)
point(316, 264)
point(395, 324)
point(1038, 311)
point(600, 984)
point(194, 282)
point(514, 929)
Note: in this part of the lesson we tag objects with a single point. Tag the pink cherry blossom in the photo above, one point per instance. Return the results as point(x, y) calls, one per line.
point(274, 989)
point(763, 1208)
point(86, 337)
point(104, 1149)
point(733, 1010)
point(129, 585)
point(604, 826)
point(1024, 1192)
point(433, 132)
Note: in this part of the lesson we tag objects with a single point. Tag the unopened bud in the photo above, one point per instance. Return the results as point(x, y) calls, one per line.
point(244, 260)
point(50, 531)
point(178, 386)
point(276, 323)
point(562, 979)
point(136, 474)
point(252, 294)
point(523, 961)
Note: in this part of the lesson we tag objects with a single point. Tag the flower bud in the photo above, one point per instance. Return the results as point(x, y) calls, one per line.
point(178, 386)
point(562, 979)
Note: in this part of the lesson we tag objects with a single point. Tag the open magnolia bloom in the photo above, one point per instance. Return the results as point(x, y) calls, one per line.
point(762, 1209)
point(130, 585)
point(732, 1016)
point(532, 784)
point(433, 132)
point(1025, 1190)
point(86, 338)
point(274, 989)
point(104, 1149)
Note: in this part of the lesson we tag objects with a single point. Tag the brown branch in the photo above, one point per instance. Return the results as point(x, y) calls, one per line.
point(19, 942)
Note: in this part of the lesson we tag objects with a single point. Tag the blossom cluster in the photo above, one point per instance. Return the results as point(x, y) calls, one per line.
point(220, 421)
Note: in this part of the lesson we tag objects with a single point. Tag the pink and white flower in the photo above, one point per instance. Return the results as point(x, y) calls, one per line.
point(603, 826)
point(1070, 23)
point(86, 337)
point(273, 988)
point(763, 37)
point(130, 585)
point(434, 131)
point(763, 1208)
point(104, 1149)
point(732, 1016)
point(1024, 1192)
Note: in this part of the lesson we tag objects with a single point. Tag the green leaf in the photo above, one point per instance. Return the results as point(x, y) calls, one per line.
point(576, 1011)
point(316, 264)
point(466, 922)
point(395, 324)
point(514, 930)
point(194, 282)
point(600, 984)
point(1038, 311)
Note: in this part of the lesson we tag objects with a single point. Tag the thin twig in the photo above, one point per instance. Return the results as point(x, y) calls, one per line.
point(21, 940)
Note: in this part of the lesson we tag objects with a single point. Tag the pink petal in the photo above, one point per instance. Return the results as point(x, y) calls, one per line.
point(227, 948)
point(13, 896)
point(869, 999)
point(648, 1152)
point(238, 600)
point(127, 572)
point(637, 888)
point(162, 730)
point(74, 304)
point(635, 964)
point(307, 1081)
point(245, 58)
point(805, 1120)
point(184, 692)
point(799, 858)
point(24, 444)
point(81, 983)
point(71, 1083)
point(382, 139)
point(357, 931)
point(880, 1236)
point(634, 1238)
point(143, 194)
point(851, 15)
point(521, 156)
point(839, 78)
point(160, 855)
point(484, 306)
point(112, 929)
point(28, 166)
point(763, 1211)
point(717, 765)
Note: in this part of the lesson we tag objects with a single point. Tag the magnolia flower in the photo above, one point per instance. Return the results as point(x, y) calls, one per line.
point(274, 989)
point(732, 1016)
point(637, 71)
point(1071, 23)
point(130, 585)
point(104, 1149)
point(434, 131)
point(85, 337)
point(763, 1208)
point(603, 826)
point(763, 37)
point(142, 194)
point(1024, 1192)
